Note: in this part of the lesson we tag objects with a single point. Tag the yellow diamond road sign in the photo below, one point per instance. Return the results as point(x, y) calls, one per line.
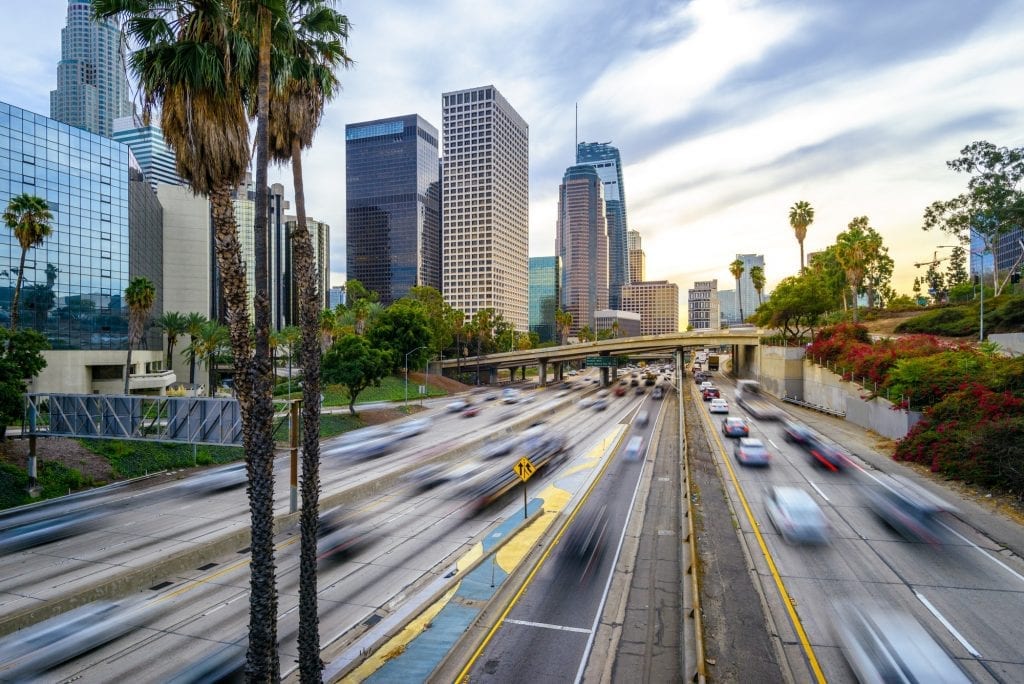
point(524, 469)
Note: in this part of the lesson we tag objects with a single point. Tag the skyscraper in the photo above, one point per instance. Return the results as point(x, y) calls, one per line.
point(748, 295)
point(92, 84)
point(605, 158)
point(321, 235)
point(393, 230)
point(486, 201)
point(149, 148)
point(581, 241)
point(702, 306)
point(544, 281)
point(657, 302)
point(637, 258)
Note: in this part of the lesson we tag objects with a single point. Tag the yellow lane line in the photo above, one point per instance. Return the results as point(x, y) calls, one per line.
point(515, 550)
point(794, 618)
point(464, 674)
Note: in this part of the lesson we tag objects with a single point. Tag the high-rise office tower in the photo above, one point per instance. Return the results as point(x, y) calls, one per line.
point(149, 148)
point(544, 282)
point(605, 158)
point(581, 241)
point(748, 301)
point(657, 302)
point(486, 203)
point(92, 84)
point(637, 258)
point(702, 305)
point(393, 229)
point(320, 233)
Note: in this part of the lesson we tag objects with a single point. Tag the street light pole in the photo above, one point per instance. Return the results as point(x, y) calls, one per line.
point(407, 372)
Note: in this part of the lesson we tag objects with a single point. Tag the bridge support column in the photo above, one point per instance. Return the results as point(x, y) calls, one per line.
point(542, 375)
point(604, 376)
point(558, 371)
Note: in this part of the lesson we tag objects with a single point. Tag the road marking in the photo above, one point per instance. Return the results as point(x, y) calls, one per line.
point(985, 553)
point(773, 444)
point(819, 491)
point(545, 625)
point(786, 600)
point(945, 623)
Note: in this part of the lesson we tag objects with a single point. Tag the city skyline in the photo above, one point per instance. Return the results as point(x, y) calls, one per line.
point(853, 112)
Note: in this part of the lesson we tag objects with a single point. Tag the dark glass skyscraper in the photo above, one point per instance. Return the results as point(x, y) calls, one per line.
point(393, 230)
point(605, 158)
point(544, 282)
point(581, 242)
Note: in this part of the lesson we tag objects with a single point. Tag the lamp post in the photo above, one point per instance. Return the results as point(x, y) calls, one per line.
point(981, 281)
point(411, 351)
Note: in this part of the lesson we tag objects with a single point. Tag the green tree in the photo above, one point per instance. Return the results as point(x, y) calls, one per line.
point(586, 334)
point(826, 268)
point(439, 316)
point(795, 306)
point(481, 327)
point(28, 218)
point(399, 329)
point(355, 365)
point(956, 272)
point(801, 215)
point(140, 296)
point(193, 324)
point(758, 280)
point(174, 324)
point(563, 322)
point(736, 268)
point(992, 206)
point(856, 249)
point(20, 358)
point(210, 343)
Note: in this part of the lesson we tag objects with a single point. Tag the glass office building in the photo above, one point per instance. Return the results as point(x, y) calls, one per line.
point(393, 229)
point(581, 241)
point(544, 279)
point(74, 281)
point(605, 158)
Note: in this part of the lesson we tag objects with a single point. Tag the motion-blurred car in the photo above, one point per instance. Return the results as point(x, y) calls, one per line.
point(634, 448)
point(640, 390)
point(471, 410)
point(718, 406)
point(634, 382)
point(341, 535)
point(600, 404)
point(750, 451)
point(642, 418)
point(215, 479)
point(705, 384)
point(796, 516)
point(910, 510)
point(734, 426)
point(510, 395)
point(457, 405)
point(586, 539)
point(882, 645)
point(620, 390)
point(29, 653)
point(709, 393)
point(48, 530)
point(658, 393)
point(796, 433)
point(224, 666)
point(410, 428)
point(825, 454)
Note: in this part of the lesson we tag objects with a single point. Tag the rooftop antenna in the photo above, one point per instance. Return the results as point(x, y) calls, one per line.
point(576, 147)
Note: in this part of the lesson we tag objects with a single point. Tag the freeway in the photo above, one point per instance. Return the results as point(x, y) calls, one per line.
point(966, 590)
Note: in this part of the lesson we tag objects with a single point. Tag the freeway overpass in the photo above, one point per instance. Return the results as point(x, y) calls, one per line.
point(744, 341)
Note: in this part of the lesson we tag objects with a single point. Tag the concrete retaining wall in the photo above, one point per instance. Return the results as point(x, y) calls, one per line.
point(1009, 343)
point(780, 370)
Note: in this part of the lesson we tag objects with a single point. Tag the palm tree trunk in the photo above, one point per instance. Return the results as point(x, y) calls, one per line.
point(853, 293)
point(128, 369)
point(801, 256)
point(256, 413)
point(17, 295)
point(170, 353)
point(310, 305)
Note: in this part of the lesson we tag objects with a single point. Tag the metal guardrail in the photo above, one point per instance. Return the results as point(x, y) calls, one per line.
point(822, 409)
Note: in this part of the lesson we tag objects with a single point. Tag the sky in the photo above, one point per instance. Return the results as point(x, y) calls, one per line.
point(726, 112)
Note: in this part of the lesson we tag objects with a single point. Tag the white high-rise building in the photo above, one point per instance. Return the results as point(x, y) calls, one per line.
point(92, 84)
point(486, 202)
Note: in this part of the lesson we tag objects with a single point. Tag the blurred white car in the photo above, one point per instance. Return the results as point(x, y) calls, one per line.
point(796, 516)
point(457, 405)
point(719, 406)
point(634, 448)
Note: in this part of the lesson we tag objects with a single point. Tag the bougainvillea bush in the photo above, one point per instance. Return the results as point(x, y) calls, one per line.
point(974, 434)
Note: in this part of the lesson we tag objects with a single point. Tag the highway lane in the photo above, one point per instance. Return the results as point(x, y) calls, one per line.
point(415, 535)
point(143, 526)
point(967, 594)
point(548, 634)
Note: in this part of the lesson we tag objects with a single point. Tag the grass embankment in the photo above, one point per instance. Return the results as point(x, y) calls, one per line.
point(1003, 314)
point(392, 388)
point(54, 479)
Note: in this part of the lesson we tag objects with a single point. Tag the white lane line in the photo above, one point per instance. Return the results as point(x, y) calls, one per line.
point(819, 491)
point(985, 553)
point(773, 444)
point(581, 630)
point(952, 630)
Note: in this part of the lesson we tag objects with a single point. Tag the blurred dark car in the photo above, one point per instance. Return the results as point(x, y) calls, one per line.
point(226, 666)
point(797, 516)
point(620, 390)
point(825, 455)
point(634, 382)
point(910, 510)
point(709, 393)
point(750, 451)
point(585, 540)
point(215, 479)
point(883, 645)
point(341, 535)
point(657, 393)
point(640, 390)
point(797, 433)
point(700, 377)
point(600, 404)
point(48, 530)
point(29, 653)
point(733, 426)
point(471, 410)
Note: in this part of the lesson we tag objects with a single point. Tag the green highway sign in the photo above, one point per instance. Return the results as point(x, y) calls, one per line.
point(607, 361)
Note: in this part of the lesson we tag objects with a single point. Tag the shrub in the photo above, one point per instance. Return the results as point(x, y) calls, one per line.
point(950, 321)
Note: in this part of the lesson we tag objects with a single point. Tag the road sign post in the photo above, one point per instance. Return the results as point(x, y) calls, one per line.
point(524, 468)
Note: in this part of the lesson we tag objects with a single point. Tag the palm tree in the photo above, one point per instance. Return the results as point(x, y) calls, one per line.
point(563, 321)
point(28, 218)
point(758, 280)
point(174, 324)
point(737, 268)
point(856, 247)
point(199, 62)
point(801, 215)
point(139, 296)
point(328, 322)
point(211, 342)
point(193, 324)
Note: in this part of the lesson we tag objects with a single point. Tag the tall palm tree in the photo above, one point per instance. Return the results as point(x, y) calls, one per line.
point(328, 323)
point(737, 268)
point(139, 296)
point(211, 342)
point(801, 215)
point(193, 324)
point(563, 321)
point(856, 247)
point(758, 280)
point(173, 323)
point(199, 61)
point(28, 218)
